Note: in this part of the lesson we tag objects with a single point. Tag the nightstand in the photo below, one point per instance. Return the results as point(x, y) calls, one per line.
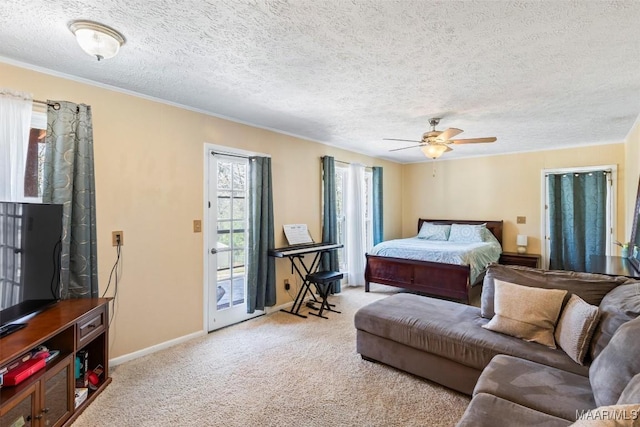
point(514, 258)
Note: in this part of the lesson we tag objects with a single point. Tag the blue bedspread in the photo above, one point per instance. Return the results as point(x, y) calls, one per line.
point(476, 255)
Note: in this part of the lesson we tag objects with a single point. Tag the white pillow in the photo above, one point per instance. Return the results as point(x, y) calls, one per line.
point(466, 233)
point(431, 231)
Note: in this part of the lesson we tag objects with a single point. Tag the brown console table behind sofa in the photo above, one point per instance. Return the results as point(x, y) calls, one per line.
point(432, 278)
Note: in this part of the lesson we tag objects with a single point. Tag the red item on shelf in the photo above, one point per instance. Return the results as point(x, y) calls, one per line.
point(25, 370)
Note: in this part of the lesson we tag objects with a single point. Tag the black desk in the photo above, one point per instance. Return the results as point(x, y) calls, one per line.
point(613, 266)
point(297, 252)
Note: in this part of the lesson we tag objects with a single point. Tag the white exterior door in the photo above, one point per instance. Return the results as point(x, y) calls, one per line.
point(227, 240)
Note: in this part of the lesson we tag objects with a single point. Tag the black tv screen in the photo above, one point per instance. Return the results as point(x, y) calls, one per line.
point(30, 243)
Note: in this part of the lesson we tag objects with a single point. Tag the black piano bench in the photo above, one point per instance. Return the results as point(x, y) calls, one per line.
point(323, 281)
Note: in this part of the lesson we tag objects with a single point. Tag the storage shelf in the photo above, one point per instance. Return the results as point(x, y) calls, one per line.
point(68, 326)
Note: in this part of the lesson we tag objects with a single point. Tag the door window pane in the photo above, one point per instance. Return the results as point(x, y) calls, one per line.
point(224, 176)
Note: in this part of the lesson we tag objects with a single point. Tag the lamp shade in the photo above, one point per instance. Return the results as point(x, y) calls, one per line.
point(434, 150)
point(521, 240)
point(96, 39)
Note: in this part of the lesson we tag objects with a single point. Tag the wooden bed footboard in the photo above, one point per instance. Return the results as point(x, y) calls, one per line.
point(433, 278)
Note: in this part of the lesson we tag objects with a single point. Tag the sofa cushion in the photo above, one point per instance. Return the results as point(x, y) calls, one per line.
point(617, 307)
point(617, 364)
point(450, 330)
point(588, 286)
point(631, 392)
point(610, 416)
point(575, 328)
point(543, 388)
point(486, 410)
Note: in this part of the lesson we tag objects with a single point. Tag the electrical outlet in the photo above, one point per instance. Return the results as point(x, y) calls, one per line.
point(521, 220)
point(117, 238)
point(197, 226)
point(287, 286)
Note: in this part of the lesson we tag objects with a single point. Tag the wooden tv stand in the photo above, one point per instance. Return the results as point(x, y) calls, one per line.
point(47, 397)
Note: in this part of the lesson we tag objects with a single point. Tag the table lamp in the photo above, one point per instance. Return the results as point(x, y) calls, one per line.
point(521, 241)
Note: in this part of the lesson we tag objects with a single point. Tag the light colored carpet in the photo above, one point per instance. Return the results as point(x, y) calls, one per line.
point(274, 370)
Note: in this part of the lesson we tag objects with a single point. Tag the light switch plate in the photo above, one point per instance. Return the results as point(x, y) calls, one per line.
point(521, 220)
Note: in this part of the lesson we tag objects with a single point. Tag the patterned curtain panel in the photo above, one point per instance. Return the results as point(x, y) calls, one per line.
point(577, 212)
point(69, 180)
point(261, 268)
point(378, 234)
point(329, 217)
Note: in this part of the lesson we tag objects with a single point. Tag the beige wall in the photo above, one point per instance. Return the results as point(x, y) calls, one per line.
point(632, 163)
point(499, 187)
point(149, 183)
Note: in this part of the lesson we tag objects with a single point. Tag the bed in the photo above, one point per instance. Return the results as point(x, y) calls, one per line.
point(442, 279)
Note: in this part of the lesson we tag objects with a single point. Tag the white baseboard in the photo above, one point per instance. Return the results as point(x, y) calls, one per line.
point(269, 310)
point(154, 348)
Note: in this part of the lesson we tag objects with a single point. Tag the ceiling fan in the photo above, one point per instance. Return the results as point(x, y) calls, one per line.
point(435, 142)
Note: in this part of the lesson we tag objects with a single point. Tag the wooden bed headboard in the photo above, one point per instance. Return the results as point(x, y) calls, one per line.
point(494, 227)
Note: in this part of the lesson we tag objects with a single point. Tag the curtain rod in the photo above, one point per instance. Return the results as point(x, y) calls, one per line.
point(576, 172)
point(239, 156)
point(345, 163)
point(55, 105)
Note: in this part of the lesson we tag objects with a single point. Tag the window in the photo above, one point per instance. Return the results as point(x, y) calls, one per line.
point(35, 157)
point(343, 222)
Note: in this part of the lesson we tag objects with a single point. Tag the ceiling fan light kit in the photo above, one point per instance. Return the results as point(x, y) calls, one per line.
point(434, 150)
point(435, 143)
point(97, 40)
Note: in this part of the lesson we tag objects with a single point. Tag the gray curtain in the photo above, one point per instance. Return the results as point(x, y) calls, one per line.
point(68, 179)
point(577, 213)
point(261, 269)
point(378, 234)
point(330, 218)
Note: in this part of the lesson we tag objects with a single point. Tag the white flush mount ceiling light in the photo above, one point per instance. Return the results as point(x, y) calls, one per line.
point(96, 39)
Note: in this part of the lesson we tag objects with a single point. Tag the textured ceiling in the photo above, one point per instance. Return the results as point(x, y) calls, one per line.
point(534, 74)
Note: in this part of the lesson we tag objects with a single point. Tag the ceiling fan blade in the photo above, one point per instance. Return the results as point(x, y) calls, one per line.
point(404, 148)
point(448, 134)
point(404, 140)
point(473, 140)
point(448, 149)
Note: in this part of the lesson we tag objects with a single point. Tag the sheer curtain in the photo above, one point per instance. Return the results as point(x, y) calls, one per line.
point(261, 269)
point(356, 237)
point(577, 214)
point(69, 180)
point(15, 123)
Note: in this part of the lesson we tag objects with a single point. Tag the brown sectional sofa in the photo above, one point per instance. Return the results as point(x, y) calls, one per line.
point(513, 382)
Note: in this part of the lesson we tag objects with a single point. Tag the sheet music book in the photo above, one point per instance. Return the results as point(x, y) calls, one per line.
point(297, 234)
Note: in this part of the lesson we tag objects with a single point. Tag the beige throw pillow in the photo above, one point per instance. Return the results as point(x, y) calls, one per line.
point(575, 327)
point(526, 312)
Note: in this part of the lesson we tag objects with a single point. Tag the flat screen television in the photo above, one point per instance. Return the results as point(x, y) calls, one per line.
point(30, 246)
